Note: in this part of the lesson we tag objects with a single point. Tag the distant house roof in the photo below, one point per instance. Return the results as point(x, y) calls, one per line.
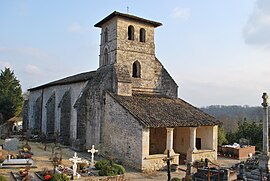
point(157, 111)
point(71, 79)
point(128, 16)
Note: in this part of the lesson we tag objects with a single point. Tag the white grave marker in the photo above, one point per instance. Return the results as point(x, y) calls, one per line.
point(75, 159)
point(92, 151)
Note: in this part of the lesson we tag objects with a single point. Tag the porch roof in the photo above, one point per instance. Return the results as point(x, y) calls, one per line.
point(159, 111)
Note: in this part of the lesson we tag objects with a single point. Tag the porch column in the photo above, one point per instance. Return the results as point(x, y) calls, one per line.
point(192, 141)
point(169, 143)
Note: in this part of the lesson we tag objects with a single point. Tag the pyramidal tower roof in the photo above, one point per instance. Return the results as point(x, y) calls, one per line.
point(127, 16)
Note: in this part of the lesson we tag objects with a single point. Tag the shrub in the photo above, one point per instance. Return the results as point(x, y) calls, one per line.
point(175, 179)
point(120, 168)
point(100, 164)
point(2, 178)
point(60, 177)
point(108, 170)
point(2, 160)
point(112, 170)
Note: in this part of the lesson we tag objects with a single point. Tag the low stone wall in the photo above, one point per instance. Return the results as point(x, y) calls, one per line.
point(156, 162)
point(202, 154)
point(109, 178)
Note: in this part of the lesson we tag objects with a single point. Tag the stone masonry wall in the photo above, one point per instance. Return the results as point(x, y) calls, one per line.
point(65, 119)
point(154, 78)
point(56, 112)
point(50, 113)
point(90, 108)
point(38, 113)
point(33, 96)
point(111, 44)
point(122, 135)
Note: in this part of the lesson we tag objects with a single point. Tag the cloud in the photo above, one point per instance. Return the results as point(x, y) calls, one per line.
point(256, 31)
point(32, 69)
point(34, 52)
point(181, 13)
point(74, 28)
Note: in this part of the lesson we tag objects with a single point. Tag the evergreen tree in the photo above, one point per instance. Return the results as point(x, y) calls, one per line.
point(221, 137)
point(249, 130)
point(11, 99)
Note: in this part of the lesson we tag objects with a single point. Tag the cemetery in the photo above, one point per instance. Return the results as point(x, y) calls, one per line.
point(23, 160)
point(60, 162)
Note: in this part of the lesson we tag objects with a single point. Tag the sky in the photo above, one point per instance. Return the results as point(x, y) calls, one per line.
point(218, 52)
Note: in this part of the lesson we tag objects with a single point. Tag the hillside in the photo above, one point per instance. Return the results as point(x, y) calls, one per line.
point(230, 115)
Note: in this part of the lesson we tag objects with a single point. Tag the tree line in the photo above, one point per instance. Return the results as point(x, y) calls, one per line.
point(11, 99)
point(238, 122)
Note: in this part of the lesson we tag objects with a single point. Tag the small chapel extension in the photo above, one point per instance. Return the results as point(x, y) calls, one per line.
point(129, 107)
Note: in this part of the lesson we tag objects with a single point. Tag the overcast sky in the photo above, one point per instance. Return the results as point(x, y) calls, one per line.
point(218, 52)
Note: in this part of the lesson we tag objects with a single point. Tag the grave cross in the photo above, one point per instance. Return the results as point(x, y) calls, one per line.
point(92, 151)
point(75, 159)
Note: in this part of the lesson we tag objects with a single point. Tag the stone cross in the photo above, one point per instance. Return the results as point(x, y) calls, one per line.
point(265, 124)
point(75, 159)
point(92, 151)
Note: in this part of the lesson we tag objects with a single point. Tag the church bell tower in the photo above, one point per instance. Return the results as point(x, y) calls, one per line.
point(126, 39)
point(127, 43)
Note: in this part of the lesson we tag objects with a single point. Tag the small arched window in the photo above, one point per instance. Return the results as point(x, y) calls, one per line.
point(136, 69)
point(142, 35)
point(130, 32)
point(106, 35)
point(106, 57)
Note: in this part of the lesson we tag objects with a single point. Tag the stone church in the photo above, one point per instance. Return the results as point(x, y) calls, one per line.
point(128, 108)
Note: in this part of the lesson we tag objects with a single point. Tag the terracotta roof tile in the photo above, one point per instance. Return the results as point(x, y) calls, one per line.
point(160, 111)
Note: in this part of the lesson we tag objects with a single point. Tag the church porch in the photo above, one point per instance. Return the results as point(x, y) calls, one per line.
point(196, 143)
point(156, 144)
point(190, 143)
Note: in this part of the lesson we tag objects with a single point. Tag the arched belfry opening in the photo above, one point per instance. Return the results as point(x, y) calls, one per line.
point(136, 69)
point(142, 35)
point(106, 35)
point(130, 32)
point(106, 57)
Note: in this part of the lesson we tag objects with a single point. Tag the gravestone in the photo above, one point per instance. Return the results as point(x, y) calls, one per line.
point(75, 159)
point(17, 163)
point(11, 144)
point(92, 151)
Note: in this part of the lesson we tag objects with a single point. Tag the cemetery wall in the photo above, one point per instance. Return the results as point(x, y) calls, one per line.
point(122, 135)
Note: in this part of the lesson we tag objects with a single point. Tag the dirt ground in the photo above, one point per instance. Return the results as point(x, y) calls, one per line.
point(42, 161)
